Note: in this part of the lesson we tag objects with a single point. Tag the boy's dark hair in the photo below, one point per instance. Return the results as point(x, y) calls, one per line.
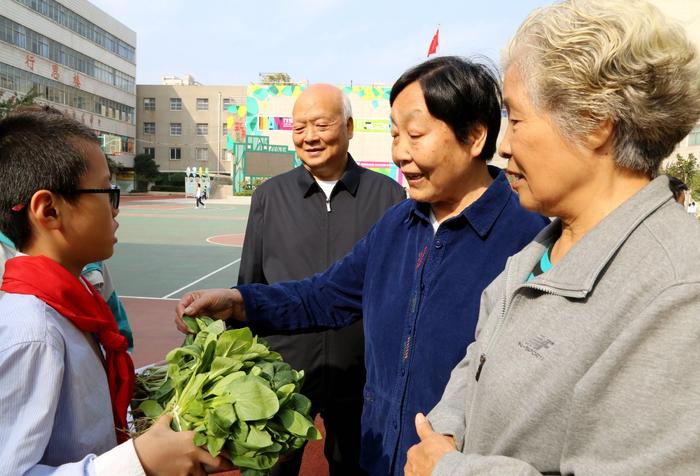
point(677, 187)
point(461, 93)
point(40, 149)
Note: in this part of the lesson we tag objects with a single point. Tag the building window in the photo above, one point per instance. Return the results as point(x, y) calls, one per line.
point(228, 102)
point(202, 104)
point(149, 127)
point(149, 104)
point(175, 153)
point(202, 129)
point(150, 151)
point(224, 129)
point(175, 104)
point(694, 136)
point(226, 155)
point(68, 18)
point(201, 153)
point(57, 53)
point(22, 81)
point(175, 129)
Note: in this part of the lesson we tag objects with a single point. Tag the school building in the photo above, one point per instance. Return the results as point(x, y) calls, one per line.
point(79, 59)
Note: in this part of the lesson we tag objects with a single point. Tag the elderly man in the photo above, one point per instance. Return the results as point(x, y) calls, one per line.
point(300, 223)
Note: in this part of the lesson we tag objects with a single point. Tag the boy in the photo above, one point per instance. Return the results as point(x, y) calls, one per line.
point(65, 375)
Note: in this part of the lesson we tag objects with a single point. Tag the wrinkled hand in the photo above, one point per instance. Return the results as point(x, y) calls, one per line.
point(423, 457)
point(217, 303)
point(163, 451)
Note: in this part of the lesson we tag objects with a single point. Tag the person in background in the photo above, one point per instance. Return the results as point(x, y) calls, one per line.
point(417, 276)
point(66, 377)
point(692, 210)
point(300, 223)
point(586, 360)
point(99, 276)
point(678, 189)
point(199, 196)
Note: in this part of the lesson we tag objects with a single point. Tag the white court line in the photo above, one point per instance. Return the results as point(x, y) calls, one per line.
point(201, 279)
point(148, 297)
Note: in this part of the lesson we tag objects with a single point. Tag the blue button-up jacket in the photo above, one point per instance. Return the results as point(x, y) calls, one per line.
point(419, 292)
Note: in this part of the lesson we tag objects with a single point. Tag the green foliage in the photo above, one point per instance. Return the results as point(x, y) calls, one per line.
point(13, 102)
point(234, 393)
point(171, 178)
point(169, 182)
point(145, 167)
point(686, 170)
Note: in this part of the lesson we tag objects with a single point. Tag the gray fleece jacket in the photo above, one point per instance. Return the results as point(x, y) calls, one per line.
point(592, 368)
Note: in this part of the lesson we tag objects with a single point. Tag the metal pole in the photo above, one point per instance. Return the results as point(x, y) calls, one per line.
point(218, 138)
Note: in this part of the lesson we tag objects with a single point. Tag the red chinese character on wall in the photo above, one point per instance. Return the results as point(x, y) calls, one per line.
point(29, 61)
point(54, 72)
point(76, 80)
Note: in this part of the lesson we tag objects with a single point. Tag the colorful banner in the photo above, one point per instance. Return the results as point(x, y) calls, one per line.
point(385, 168)
point(271, 123)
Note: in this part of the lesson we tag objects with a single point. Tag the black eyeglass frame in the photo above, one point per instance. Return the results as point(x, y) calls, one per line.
point(114, 194)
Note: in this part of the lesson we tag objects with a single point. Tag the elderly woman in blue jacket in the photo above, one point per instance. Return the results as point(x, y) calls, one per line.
point(587, 348)
point(417, 276)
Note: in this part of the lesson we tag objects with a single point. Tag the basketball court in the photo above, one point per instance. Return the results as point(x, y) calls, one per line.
point(167, 248)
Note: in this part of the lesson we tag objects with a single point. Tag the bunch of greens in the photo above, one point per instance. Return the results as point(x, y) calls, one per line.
point(233, 392)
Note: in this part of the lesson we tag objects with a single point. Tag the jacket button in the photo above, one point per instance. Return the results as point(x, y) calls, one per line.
point(438, 244)
point(403, 372)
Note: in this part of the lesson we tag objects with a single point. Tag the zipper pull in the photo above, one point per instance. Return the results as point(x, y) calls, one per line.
point(482, 360)
point(328, 204)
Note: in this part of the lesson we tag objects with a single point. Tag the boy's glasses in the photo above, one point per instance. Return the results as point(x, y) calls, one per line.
point(113, 194)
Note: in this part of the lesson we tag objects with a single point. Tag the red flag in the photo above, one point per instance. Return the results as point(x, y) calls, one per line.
point(432, 49)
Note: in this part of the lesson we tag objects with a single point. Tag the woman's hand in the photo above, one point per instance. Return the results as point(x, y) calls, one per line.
point(423, 457)
point(164, 451)
point(217, 303)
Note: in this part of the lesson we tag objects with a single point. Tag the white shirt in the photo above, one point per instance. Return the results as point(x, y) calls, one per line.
point(55, 411)
point(434, 221)
point(327, 186)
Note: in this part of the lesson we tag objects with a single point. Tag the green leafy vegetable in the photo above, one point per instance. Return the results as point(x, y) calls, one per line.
point(234, 393)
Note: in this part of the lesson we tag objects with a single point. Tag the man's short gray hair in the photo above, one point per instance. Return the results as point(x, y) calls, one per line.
point(347, 107)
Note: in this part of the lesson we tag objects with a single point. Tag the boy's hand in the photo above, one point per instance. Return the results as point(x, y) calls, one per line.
point(217, 303)
point(164, 451)
point(423, 457)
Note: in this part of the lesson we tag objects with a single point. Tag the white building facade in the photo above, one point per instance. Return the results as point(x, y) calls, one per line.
point(79, 59)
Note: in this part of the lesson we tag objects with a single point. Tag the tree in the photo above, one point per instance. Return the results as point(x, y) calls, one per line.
point(13, 102)
point(145, 170)
point(114, 166)
point(685, 169)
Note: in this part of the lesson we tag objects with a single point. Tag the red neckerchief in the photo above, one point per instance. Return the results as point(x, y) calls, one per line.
point(56, 286)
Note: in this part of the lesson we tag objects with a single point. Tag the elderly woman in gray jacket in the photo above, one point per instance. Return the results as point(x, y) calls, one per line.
point(587, 357)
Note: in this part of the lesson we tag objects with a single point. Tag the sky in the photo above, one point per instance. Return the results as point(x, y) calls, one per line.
point(336, 41)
